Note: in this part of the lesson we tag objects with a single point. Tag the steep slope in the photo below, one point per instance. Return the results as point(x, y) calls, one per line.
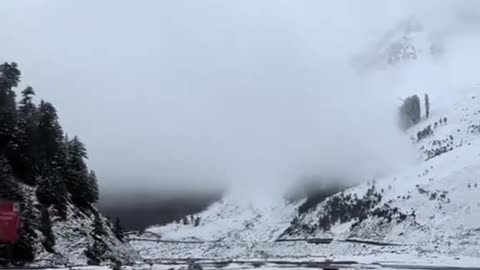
point(232, 219)
point(72, 236)
point(407, 41)
point(433, 205)
point(430, 208)
point(45, 174)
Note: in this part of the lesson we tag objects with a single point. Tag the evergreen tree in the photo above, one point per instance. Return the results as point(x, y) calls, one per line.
point(53, 191)
point(117, 229)
point(98, 227)
point(9, 75)
point(197, 221)
point(77, 175)
point(95, 252)
point(9, 78)
point(49, 154)
point(19, 153)
point(97, 249)
point(59, 182)
point(49, 136)
point(427, 106)
point(46, 229)
point(27, 107)
point(9, 188)
point(92, 186)
point(23, 250)
point(410, 113)
point(21, 147)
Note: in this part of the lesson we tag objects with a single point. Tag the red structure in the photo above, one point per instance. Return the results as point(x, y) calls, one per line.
point(9, 221)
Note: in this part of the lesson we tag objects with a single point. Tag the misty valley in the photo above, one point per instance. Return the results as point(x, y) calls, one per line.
point(191, 135)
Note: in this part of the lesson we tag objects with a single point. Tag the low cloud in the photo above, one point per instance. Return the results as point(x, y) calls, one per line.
point(175, 96)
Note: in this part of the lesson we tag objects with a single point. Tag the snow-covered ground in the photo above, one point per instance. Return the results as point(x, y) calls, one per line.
point(234, 220)
point(395, 262)
point(438, 196)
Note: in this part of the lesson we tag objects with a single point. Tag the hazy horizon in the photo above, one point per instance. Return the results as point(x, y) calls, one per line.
point(187, 95)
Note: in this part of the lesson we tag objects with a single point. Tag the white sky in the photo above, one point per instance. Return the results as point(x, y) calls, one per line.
point(185, 93)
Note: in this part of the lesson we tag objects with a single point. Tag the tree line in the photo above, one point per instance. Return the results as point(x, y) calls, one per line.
point(36, 154)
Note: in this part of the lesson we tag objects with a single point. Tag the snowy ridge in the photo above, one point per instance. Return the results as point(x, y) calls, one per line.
point(233, 220)
point(430, 209)
point(408, 41)
point(438, 196)
point(73, 236)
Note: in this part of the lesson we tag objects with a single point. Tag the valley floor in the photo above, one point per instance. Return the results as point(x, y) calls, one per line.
point(374, 262)
point(300, 255)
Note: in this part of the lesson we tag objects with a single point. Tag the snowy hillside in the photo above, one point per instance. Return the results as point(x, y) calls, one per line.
point(73, 237)
point(436, 202)
point(233, 220)
point(45, 174)
point(430, 208)
point(408, 41)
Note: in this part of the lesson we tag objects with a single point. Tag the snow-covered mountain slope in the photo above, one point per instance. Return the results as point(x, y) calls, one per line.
point(233, 220)
point(73, 236)
point(431, 207)
point(438, 196)
point(408, 41)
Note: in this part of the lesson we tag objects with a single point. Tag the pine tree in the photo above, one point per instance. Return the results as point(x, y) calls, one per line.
point(23, 250)
point(59, 182)
point(427, 106)
point(9, 78)
point(92, 186)
point(97, 249)
point(82, 185)
point(118, 230)
point(98, 228)
point(27, 107)
point(197, 221)
point(410, 113)
point(49, 155)
point(96, 252)
point(20, 148)
point(53, 191)
point(77, 175)
point(49, 136)
point(19, 153)
point(9, 75)
point(9, 188)
point(46, 229)
point(415, 113)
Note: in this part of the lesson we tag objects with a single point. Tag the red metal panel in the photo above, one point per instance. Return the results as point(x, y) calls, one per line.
point(9, 222)
point(7, 206)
